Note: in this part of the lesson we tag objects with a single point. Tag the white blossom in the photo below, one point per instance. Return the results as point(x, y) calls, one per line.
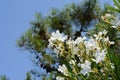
point(107, 40)
point(71, 43)
point(99, 55)
point(63, 69)
point(58, 36)
point(105, 32)
point(75, 50)
point(108, 15)
point(91, 44)
point(95, 47)
point(50, 45)
point(59, 78)
point(58, 49)
point(100, 33)
point(80, 39)
point(86, 67)
point(99, 36)
point(112, 66)
point(78, 64)
point(111, 42)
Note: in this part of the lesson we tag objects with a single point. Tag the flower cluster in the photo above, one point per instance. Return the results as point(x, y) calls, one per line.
point(84, 56)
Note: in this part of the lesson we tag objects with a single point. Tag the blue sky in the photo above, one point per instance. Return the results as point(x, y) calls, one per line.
point(15, 16)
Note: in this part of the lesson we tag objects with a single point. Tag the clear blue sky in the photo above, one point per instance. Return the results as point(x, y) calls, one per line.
point(15, 16)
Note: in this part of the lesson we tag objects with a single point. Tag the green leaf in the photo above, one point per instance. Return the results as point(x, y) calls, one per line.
point(117, 3)
point(113, 9)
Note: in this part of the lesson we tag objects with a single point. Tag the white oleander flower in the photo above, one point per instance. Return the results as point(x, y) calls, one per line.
point(78, 64)
point(50, 45)
point(91, 44)
point(58, 36)
point(100, 33)
point(63, 69)
point(86, 67)
point(58, 49)
point(114, 26)
point(108, 15)
point(71, 43)
point(98, 36)
point(111, 42)
point(100, 55)
point(59, 78)
point(79, 40)
point(105, 32)
point(107, 40)
point(75, 50)
point(112, 66)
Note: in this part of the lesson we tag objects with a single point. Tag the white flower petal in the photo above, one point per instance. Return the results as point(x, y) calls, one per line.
point(63, 69)
point(58, 36)
point(100, 55)
point(59, 78)
point(86, 67)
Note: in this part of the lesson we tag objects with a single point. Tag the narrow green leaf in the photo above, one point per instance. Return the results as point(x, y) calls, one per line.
point(113, 9)
point(117, 3)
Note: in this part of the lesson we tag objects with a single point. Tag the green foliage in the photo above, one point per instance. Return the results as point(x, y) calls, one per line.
point(116, 60)
point(80, 16)
point(28, 76)
point(116, 8)
point(36, 38)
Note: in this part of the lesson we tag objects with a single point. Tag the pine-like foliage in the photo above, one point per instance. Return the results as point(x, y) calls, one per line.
point(28, 76)
point(72, 20)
